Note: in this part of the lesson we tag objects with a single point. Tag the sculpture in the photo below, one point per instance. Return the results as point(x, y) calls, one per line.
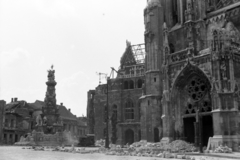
point(39, 120)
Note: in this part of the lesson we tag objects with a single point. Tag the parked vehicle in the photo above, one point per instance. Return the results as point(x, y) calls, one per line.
point(87, 140)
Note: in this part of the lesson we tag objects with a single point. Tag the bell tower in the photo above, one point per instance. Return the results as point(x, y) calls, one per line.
point(150, 100)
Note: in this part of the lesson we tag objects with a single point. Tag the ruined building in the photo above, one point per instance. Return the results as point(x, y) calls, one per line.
point(190, 73)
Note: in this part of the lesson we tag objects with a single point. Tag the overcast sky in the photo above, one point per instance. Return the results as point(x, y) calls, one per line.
point(79, 37)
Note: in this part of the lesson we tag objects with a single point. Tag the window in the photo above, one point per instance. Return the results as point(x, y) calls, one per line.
point(114, 110)
point(131, 84)
point(155, 79)
point(6, 122)
point(139, 83)
point(105, 114)
point(126, 85)
point(129, 110)
point(12, 123)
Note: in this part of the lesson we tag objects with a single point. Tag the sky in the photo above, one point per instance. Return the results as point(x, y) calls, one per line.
point(79, 37)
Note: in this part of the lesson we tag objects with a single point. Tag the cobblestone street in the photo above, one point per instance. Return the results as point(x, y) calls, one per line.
point(18, 153)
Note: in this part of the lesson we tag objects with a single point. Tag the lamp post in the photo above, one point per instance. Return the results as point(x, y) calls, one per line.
point(198, 129)
point(107, 109)
point(107, 137)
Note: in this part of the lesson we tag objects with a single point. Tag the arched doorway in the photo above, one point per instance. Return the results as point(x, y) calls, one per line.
point(191, 94)
point(129, 136)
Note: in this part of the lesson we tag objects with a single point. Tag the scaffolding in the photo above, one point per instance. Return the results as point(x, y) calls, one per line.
point(139, 53)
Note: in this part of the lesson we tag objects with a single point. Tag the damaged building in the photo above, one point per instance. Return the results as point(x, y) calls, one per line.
point(189, 77)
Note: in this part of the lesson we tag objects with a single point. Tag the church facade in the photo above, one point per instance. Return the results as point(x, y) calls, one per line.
point(189, 78)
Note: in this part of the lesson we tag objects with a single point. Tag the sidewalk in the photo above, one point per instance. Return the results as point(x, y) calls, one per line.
point(234, 155)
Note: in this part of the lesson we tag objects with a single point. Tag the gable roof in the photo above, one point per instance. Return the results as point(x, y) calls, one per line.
point(128, 56)
point(65, 113)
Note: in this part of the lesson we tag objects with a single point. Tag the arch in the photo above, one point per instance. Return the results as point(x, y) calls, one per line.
point(129, 136)
point(129, 109)
point(190, 92)
point(131, 84)
point(139, 83)
point(188, 72)
point(125, 84)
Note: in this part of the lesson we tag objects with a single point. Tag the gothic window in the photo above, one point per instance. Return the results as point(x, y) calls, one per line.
point(197, 88)
point(131, 84)
point(129, 110)
point(215, 41)
point(175, 12)
point(139, 83)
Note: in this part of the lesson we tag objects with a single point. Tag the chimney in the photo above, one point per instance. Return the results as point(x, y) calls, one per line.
point(12, 100)
point(15, 99)
point(61, 104)
point(69, 110)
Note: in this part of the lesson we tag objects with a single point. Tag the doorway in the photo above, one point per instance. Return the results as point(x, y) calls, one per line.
point(207, 129)
point(129, 136)
point(156, 135)
point(16, 138)
point(189, 132)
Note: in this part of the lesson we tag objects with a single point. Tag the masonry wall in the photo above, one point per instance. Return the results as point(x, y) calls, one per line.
point(2, 117)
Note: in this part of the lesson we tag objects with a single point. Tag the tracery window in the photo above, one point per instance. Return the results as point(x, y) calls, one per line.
point(129, 110)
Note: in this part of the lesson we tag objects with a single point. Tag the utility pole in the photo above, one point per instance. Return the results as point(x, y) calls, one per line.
point(107, 119)
point(107, 107)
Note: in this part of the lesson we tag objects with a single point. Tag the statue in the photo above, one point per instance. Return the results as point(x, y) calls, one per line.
point(39, 120)
point(51, 76)
point(223, 69)
point(44, 120)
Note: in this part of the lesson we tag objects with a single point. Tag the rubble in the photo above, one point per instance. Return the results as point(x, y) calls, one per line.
point(223, 149)
point(100, 143)
point(175, 149)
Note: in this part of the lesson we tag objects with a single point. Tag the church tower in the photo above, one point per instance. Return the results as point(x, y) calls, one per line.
point(150, 101)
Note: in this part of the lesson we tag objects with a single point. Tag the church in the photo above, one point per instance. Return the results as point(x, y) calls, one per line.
point(182, 83)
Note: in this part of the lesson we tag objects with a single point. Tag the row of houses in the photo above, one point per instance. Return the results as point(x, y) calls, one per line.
point(19, 117)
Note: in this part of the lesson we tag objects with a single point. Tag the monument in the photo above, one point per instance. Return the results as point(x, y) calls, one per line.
point(49, 128)
point(49, 121)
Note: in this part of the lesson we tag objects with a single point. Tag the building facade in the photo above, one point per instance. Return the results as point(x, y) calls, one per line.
point(190, 74)
point(17, 121)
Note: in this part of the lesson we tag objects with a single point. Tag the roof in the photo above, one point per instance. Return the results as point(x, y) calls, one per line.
point(134, 54)
point(17, 104)
point(81, 122)
point(65, 113)
point(128, 57)
point(37, 105)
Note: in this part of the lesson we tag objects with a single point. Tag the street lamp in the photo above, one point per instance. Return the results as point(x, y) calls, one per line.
point(107, 139)
point(107, 109)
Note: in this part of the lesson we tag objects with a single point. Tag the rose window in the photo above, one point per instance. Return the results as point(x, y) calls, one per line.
point(197, 89)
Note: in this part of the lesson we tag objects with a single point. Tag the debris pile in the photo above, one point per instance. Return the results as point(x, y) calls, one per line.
point(100, 143)
point(181, 146)
point(176, 149)
point(223, 149)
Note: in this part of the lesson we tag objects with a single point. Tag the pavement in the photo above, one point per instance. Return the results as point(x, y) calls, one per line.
point(18, 153)
point(234, 155)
